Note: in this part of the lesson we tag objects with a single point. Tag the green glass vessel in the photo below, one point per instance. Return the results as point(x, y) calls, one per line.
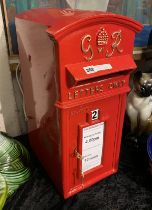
point(3, 191)
point(14, 166)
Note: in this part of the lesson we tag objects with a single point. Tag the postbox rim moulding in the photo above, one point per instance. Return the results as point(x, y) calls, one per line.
point(76, 19)
point(96, 20)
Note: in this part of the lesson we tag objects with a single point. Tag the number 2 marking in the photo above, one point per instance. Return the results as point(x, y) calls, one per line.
point(95, 114)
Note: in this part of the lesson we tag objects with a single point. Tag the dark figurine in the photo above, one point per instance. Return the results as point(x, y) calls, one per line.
point(139, 104)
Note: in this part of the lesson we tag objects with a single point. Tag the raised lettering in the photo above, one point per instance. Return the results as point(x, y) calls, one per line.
point(92, 90)
point(69, 96)
point(110, 86)
point(76, 93)
point(81, 92)
point(116, 36)
point(87, 91)
point(87, 48)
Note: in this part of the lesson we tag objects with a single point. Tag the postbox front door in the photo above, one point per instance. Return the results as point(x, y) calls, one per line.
point(92, 145)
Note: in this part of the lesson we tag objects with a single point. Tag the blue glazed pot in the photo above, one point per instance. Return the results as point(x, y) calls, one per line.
point(149, 146)
point(144, 38)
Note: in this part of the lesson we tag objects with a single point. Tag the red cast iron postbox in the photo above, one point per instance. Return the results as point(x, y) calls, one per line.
point(75, 80)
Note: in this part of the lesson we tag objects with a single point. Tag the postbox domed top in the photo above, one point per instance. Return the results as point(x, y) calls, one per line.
point(62, 21)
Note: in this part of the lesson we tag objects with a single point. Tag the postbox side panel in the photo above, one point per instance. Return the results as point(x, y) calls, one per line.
point(38, 68)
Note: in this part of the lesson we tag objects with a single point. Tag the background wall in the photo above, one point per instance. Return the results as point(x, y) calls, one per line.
point(8, 109)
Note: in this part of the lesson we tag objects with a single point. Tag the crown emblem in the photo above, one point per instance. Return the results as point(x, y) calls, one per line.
point(102, 37)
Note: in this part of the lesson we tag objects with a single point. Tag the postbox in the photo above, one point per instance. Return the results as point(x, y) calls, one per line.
point(75, 69)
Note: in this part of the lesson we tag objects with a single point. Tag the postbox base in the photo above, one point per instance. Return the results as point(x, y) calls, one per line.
point(89, 183)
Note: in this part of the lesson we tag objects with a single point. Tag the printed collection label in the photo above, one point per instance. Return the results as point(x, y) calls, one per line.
point(94, 69)
point(92, 145)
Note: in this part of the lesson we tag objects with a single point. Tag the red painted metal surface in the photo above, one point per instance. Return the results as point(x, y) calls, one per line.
point(75, 86)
